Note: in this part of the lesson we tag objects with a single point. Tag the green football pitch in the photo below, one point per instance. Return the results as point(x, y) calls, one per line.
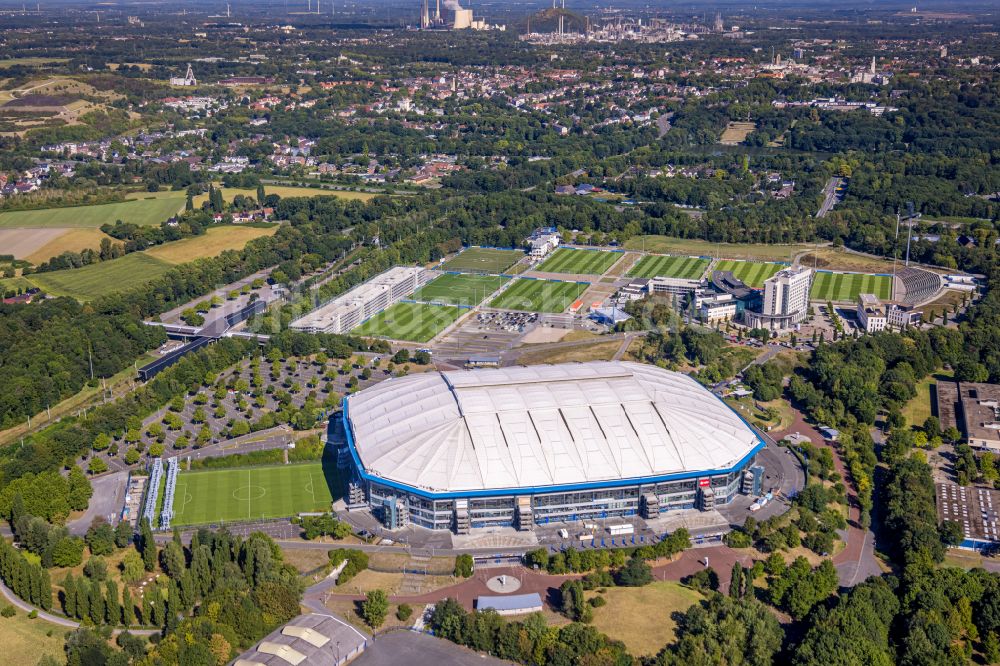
point(483, 260)
point(459, 289)
point(579, 262)
point(416, 322)
point(752, 273)
point(215, 496)
point(539, 295)
point(658, 265)
point(847, 286)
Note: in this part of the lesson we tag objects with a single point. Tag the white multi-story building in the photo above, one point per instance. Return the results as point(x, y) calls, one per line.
point(717, 307)
point(674, 286)
point(349, 310)
point(874, 315)
point(871, 314)
point(786, 300)
point(539, 245)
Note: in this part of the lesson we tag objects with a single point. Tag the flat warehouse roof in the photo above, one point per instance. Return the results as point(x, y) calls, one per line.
point(542, 427)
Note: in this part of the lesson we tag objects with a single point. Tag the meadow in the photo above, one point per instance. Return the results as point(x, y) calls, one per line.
point(483, 260)
point(415, 322)
point(96, 280)
point(459, 289)
point(653, 265)
point(578, 262)
point(752, 273)
point(539, 295)
point(228, 495)
point(141, 212)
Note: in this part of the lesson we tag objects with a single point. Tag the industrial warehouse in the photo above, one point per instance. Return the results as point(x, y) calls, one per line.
point(523, 446)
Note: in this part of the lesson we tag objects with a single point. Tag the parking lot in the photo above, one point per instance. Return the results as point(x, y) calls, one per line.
point(486, 333)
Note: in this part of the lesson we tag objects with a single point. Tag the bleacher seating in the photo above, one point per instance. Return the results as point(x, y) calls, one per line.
point(919, 284)
point(152, 486)
point(167, 512)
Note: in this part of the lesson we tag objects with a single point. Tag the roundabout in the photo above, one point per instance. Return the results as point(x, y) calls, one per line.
point(503, 584)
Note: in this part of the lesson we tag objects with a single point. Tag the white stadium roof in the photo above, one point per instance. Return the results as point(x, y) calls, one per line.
point(550, 425)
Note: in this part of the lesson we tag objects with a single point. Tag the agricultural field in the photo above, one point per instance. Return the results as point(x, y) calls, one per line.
point(752, 273)
point(693, 246)
point(578, 262)
point(214, 241)
point(106, 277)
point(215, 496)
point(653, 265)
point(847, 286)
point(483, 260)
point(142, 212)
point(283, 191)
point(539, 295)
point(416, 322)
point(459, 289)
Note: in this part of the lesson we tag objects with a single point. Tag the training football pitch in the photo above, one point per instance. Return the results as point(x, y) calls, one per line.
point(539, 295)
point(459, 289)
point(752, 273)
point(483, 260)
point(579, 262)
point(657, 265)
point(416, 322)
point(847, 286)
point(215, 496)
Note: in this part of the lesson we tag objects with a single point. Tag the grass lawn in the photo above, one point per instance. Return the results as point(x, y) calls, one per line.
point(459, 289)
point(483, 260)
point(689, 246)
point(142, 212)
point(539, 295)
point(25, 641)
point(416, 322)
point(214, 241)
point(847, 286)
point(837, 259)
point(640, 616)
point(106, 277)
point(920, 406)
point(215, 496)
point(752, 273)
point(578, 262)
point(654, 265)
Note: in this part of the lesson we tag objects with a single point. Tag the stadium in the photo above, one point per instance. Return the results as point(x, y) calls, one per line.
point(523, 446)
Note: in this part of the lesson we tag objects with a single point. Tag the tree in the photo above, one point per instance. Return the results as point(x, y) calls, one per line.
point(404, 612)
point(68, 552)
point(260, 193)
point(723, 630)
point(374, 608)
point(635, 573)
point(464, 565)
point(80, 490)
point(100, 537)
point(97, 466)
point(147, 544)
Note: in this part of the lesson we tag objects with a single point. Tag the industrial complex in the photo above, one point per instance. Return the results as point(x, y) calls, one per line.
point(515, 447)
